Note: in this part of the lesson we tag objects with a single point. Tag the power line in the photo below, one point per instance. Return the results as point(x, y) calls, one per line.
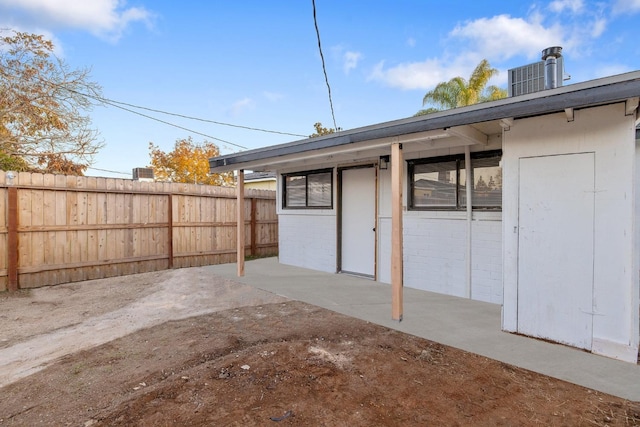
point(108, 102)
point(202, 120)
point(167, 123)
point(324, 69)
point(114, 103)
point(107, 170)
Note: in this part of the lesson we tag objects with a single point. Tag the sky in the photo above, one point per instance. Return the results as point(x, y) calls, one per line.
point(256, 64)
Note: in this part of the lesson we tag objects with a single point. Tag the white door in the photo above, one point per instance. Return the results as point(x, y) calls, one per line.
point(555, 248)
point(358, 204)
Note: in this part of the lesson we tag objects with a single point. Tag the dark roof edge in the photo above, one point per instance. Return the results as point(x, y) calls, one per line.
point(595, 92)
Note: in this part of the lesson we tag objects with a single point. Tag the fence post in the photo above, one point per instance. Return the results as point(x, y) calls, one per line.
point(12, 239)
point(254, 205)
point(170, 229)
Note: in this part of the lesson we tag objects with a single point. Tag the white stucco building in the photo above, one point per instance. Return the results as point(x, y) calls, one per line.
point(552, 230)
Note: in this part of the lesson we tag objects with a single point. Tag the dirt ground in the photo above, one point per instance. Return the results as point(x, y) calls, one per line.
point(182, 348)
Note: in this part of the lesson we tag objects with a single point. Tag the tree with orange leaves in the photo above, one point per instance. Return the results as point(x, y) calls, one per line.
point(188, 163)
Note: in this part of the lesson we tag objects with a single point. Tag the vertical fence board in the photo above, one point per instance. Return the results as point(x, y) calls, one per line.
point(170, 229)
point(12, 239)
point(24, 239)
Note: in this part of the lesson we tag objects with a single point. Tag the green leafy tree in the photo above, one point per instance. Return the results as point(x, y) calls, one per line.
point(187, 162)
point(321, 130)
point(43, 105)
point(458, 92)
point(12, 163)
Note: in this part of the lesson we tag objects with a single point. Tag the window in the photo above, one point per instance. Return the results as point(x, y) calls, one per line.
point(311, 189)
point(440, 183)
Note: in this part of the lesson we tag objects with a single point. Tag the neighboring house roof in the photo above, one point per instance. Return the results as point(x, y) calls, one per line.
point(486, 118)
point(260, 176)
point(428, 184)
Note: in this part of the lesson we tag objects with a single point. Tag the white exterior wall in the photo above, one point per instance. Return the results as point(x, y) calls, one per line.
point(610, 135)
point(435, 252)
point(308, 238)
point(635, 296)
point(435, 245)
point(308, 241)
point(384, 225)
point(486, 259)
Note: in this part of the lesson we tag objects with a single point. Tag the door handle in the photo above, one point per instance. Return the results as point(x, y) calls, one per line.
point(374, 229)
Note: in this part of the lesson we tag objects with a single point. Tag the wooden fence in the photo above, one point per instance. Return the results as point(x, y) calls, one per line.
point(58, 229)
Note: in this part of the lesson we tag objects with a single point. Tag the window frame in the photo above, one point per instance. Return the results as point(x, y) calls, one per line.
point(459, 160)
point(306, 174)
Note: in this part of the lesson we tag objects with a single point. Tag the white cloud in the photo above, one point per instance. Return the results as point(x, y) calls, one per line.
point(599, 26)
point(350, 60)
point(272, 96)
point(502, 37)
point(104, 18)
point(417, 75)
point(508, 41)
point(411, 42)
point(241, 106)
point(560, 6)
point(497, 38)
point(626, 6)
point(7, 30)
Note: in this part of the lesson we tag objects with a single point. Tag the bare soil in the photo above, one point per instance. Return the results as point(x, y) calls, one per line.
point(183, 348)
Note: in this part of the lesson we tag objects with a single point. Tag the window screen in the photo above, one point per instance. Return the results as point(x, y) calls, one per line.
point(311, 189)
point(296, 190)
point(319, 189)
point(434, 184)
point(440, 183)
point(487, 182)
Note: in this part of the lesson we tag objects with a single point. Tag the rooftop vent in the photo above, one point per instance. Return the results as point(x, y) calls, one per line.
point(143, 174)
point(552, 73)
point(545, 74)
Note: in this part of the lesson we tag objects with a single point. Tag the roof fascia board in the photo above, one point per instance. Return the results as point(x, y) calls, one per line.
point(581, 95)
point(344, 157)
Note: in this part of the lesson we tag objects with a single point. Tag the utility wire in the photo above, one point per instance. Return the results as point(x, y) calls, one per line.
point(113, 104)
point(107, 170)
point(168, 123)
point(324, 69)
point(108, 102)
point(202, 120)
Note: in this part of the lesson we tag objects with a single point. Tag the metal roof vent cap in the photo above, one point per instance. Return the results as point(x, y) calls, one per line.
point(550, 57)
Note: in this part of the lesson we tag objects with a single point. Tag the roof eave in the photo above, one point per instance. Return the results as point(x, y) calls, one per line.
point(595, 92)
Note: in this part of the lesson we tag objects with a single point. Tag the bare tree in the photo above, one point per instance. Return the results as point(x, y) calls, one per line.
point(43, 107)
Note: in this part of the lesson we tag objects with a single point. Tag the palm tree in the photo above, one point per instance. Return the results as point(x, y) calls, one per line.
point(457, 92)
